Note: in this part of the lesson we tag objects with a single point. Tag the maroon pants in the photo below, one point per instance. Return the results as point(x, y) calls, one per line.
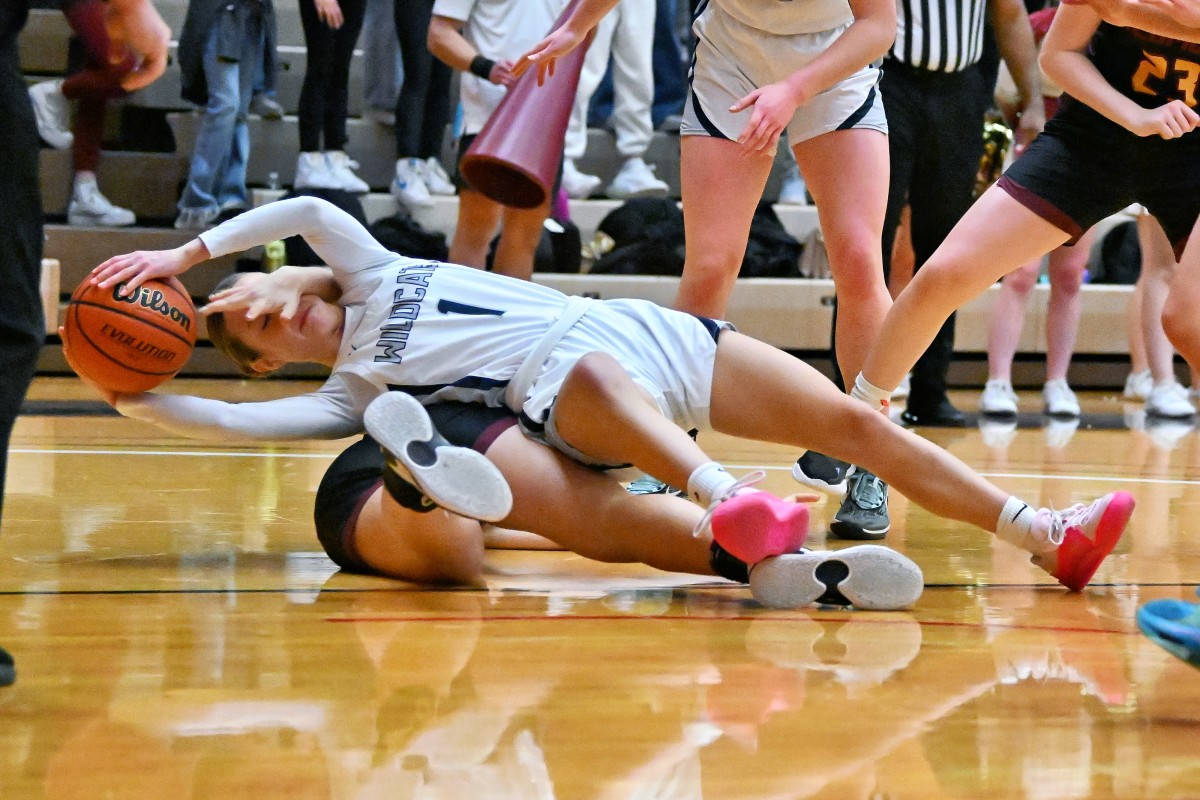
point(96, 83)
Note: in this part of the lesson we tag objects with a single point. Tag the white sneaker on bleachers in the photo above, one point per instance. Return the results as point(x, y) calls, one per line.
point(52, 114)
point(409, 187)
point(89, 207)
point(436, 179)
point(312, 172)
point(341, 170)
point(579, 185)
point(793, 191)
point(636, 179)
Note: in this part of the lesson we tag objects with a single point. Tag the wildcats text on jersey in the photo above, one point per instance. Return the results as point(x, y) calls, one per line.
point(406, 307)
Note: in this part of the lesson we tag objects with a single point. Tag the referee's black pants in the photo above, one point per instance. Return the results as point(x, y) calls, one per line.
point(935, 136)
point(21, 325)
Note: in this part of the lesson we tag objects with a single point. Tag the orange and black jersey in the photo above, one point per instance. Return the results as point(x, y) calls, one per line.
point(1151, 70)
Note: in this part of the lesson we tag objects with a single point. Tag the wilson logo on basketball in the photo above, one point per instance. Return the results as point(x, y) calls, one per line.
point(155, 301)
point(139, 345)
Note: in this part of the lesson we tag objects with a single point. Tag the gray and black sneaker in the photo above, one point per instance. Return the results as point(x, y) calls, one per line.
point(823, 473)
point(648, 484)
point(864, 512)
point(455, 478)
point(867, 576)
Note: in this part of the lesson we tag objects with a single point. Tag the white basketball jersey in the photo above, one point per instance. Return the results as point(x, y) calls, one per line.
point(437, 331)
point(441, 332)
point(786, 17)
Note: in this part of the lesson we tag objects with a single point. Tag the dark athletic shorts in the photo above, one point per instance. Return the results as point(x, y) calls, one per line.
point(357, 473)
point(1083, 168)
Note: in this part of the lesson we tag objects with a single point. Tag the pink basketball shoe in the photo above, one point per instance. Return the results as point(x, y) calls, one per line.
point(753, 525)
point(1085, 535)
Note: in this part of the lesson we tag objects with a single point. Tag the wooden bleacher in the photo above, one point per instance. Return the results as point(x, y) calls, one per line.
point(793, 314)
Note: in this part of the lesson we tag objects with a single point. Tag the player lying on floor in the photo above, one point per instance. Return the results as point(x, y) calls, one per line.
point(612, 382)
point(370, 520)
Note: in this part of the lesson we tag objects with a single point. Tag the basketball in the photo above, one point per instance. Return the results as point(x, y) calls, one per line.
point(130, 344)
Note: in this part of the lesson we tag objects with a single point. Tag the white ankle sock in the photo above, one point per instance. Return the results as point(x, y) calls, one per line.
point(870, 394)
point(1015, 525)
point(708, 481)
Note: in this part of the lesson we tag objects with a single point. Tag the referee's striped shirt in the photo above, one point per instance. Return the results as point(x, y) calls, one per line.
point(939, 35)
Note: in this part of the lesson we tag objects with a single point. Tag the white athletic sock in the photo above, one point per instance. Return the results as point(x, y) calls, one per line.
point(872, 395)
point(708, 481)
point(1015, 526)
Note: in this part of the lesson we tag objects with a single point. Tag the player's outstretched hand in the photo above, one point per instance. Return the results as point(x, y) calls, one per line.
point(110, 397)
point(134, 269)
point(258, 293)
point(560, 42)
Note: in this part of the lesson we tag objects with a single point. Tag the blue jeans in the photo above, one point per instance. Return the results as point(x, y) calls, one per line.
point(232, 55)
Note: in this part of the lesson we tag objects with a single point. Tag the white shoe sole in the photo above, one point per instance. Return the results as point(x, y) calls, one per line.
point(457, 479)
point(835, 490)
point(868, 577)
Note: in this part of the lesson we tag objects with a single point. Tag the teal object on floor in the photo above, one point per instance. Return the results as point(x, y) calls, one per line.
point(1175, 626)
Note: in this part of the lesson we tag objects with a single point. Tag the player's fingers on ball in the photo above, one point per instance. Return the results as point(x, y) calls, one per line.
point(135, 280)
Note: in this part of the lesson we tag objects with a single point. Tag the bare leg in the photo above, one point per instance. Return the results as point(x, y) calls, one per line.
point(1158, 265)
point(995, 237)
point(721, 188)
point(477, 220)
point(431, 547)
point(1138, 360)
point(762, 393)
point(1008, 319)
point(847, 174)
point(520, 233)
point(1179, 312)
point(602, 521)
point(600, 411)
point(1062, 318)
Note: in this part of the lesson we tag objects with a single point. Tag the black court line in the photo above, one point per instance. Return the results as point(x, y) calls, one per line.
point(67, 408)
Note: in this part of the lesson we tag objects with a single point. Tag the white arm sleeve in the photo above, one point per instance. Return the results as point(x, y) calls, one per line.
point(332, 412)
point(335, 236)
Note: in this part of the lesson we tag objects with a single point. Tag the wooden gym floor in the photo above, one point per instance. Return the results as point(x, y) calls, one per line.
point(179, 635)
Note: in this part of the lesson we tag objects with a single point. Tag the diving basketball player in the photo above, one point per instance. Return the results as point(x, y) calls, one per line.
point(607, 383)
